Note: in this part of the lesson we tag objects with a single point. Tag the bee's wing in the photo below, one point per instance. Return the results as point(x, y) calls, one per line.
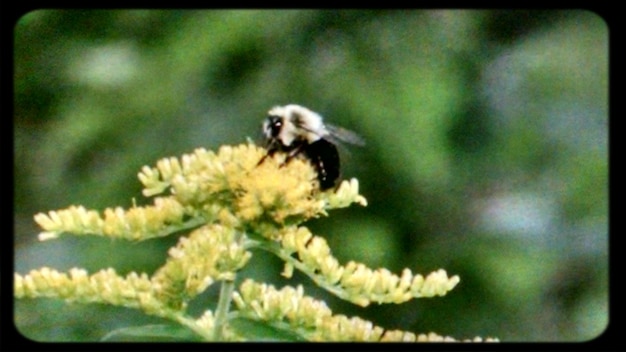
point(341, 134)
point(334, 133)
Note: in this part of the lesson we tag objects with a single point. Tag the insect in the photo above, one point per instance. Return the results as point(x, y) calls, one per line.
point(296, 130)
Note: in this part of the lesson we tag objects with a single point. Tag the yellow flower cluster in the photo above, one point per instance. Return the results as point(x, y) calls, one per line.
point(137, 223)
point(346, 194)
point(313, 319)
point(355, 281)
point(222, 195)
point(234, 179)
point(209, 253)
point(106, 286)
point(304, 314)
point(233, 203)
point(406, 336)
point(229, 187)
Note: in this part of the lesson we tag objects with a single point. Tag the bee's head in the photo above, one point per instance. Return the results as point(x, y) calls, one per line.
point(291, 123)
point(272, 126)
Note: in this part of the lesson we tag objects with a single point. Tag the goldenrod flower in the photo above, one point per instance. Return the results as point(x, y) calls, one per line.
point(231, 203)
point(313, 319)
point(229, 186)
point(136, 223)
point(355, 281)
point(208, 254)
point(289, 304)
point(406, 336)
point(106, 286)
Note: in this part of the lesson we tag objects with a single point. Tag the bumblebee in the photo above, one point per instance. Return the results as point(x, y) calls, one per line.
point(296, 130)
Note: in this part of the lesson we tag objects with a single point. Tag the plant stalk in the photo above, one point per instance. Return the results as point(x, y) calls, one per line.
point(223, 305)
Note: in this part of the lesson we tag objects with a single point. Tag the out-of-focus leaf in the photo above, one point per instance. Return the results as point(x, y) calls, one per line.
point(254, 330)
point(152, 333)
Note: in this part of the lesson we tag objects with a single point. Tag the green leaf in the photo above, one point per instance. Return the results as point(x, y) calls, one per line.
point(152, 333)
point(254, 330)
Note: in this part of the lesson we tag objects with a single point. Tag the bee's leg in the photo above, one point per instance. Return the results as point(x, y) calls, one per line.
point(270, 152)
point(263, 159)
point(292, 154)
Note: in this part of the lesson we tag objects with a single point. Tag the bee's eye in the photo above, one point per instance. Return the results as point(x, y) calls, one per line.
point(275, 125)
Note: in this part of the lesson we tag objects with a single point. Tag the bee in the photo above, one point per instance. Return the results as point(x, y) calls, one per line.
point(296, 130)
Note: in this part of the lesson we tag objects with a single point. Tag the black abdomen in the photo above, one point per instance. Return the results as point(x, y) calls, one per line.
point(325, 158)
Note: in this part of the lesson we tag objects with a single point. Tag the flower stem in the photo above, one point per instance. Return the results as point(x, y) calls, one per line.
point(320, 280)
point(221, 313)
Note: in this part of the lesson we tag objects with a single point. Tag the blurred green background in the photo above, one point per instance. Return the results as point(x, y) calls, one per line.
point(486, 149)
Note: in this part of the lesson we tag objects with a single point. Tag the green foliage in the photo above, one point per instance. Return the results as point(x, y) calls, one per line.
point(153, 333)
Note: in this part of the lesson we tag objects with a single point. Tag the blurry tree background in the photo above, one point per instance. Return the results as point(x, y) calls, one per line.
point(486, 149)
